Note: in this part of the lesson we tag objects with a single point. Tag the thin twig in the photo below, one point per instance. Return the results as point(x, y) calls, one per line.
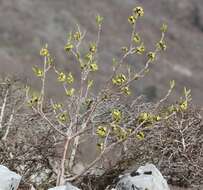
point(3, 108)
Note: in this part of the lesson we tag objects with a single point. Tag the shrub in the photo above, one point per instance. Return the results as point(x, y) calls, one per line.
point(84, 111)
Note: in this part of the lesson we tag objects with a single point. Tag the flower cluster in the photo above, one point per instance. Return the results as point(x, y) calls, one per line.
point(119, 79)
point(137, 12)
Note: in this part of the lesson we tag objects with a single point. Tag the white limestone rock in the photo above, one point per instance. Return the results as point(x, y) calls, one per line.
point(146, 177)
point(68, 186)
point(8, 180)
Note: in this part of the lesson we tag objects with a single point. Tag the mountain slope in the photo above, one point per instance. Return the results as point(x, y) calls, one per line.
point(25, 26)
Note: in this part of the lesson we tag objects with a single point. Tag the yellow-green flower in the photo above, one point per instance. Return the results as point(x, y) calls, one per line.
point(93, 67)
point(132, 19)
point(164, 27)
point(93, 48)
point(100, 146)
point(145, 116)
point(101, 131)
point(57, 106)
point(77, 36)
point(88, 103)
point(126, 90)
point(139, 11)
point(184, 105)
point(116, 115)
point(70, 78)
point(63, 117)
point(68, 47)
point(70, 92)
point(140, 49)
point(89, 56)
point(140, 135)
point(61, 77)
point(157, 118)
point(99, 19)
point(161, 45)
point(105, 97)
point(119, 79)
point(124, 49)
point(44, 52)
point(38, 72)
point(151, 56)
point(136, 38)
point(83, 65)
point(34, 100)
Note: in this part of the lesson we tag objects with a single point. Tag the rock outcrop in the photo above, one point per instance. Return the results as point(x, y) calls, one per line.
point(68, 186)
point(146, 177)
point(8, 180)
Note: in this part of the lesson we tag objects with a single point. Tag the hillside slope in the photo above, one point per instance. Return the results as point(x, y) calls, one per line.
point(25, 25)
